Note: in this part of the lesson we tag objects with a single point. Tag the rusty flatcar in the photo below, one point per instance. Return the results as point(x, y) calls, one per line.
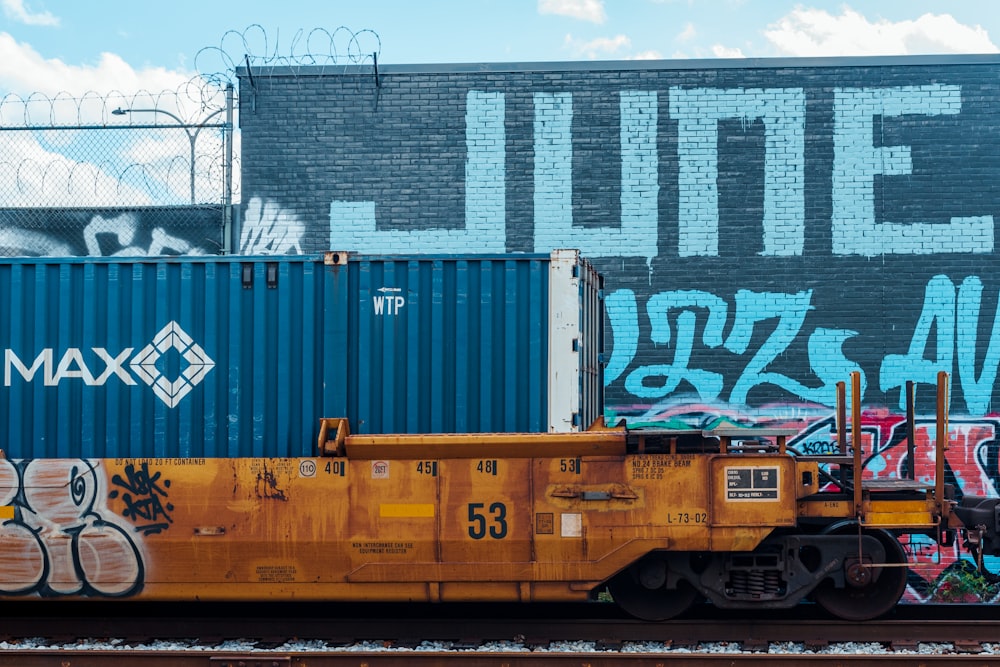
point(659, 518)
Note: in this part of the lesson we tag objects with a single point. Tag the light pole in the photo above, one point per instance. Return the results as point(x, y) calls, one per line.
point(191, 130)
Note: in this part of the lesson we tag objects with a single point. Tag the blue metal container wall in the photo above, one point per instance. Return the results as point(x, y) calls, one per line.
point(444, 344)
point(230, 356)
point(172, 358)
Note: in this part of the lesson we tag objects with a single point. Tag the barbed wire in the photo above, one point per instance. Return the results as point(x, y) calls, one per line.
point(204, 92)
point(192, 99)
point(318, 47)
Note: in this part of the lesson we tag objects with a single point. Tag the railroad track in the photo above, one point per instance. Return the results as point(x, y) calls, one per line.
point(482, 660)
point(225, 636)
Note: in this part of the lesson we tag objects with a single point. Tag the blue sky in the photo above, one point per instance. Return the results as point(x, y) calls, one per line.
point(68, 45)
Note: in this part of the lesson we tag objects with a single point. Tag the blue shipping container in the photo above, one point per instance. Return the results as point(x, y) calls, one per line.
point(241, 356)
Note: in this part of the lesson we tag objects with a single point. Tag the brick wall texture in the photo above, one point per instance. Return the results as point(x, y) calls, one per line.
point(764, 230)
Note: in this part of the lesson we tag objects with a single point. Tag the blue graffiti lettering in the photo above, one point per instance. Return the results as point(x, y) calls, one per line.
point(951, 314)
point(791, 311)
point(706, 383)
point(624, 318)
point(826, 357)
point(955, 320)
point(939, 312)
point(857, 162)
point(977, 392)
point(353, 224)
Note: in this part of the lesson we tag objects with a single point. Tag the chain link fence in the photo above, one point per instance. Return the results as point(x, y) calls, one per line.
point(146, 175)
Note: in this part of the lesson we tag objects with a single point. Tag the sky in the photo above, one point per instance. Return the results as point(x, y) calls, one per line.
point(92, 56)
point(75, 46)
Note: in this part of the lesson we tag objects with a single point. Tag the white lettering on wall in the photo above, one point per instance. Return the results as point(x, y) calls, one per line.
point(857, 160)
point(636, 235)
point(352, 224)
point(698, 112)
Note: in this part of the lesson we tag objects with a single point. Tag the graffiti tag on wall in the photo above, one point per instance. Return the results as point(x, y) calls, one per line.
point(268, 229)
point(944, 338)
point(93, 232)
point(972, 466)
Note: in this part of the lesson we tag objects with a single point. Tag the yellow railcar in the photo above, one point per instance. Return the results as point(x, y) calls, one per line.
point(659, 518)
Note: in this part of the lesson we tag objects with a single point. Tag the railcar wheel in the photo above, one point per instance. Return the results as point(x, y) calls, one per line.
point(639, 591)
point(871, 590)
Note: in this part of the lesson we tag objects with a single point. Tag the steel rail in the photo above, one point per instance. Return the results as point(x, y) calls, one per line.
point(18, 658)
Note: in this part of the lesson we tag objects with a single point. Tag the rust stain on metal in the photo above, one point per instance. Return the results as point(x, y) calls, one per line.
point(267, 485)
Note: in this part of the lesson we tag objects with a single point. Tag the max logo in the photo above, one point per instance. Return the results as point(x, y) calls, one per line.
point(146, 365)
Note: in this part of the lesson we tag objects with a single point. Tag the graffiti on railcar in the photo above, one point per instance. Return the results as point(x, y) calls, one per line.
point(145, 497)
point(59, 537)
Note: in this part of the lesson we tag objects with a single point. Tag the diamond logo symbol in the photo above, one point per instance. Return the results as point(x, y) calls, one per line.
point(171, 391)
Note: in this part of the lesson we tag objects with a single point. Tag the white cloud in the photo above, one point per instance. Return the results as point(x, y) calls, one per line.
point(815, 32)
point(652, 54)
point(16, 11)
point(584, 10)
point(24, 71)
point(687, 34)
point(596, 48)
point(720, 51)
point(43, 91)
point(32, 176)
